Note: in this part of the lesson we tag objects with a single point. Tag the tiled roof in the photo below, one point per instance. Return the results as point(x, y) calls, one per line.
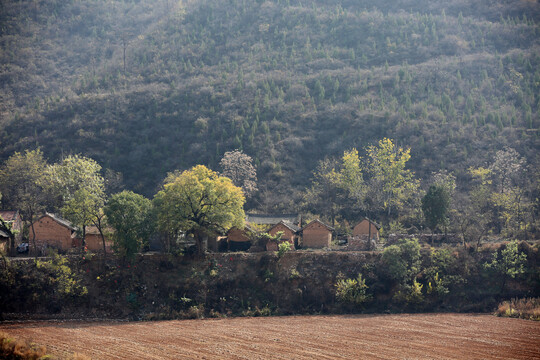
point(8, 215)
point(271, 219)
point(61, 221)
point(320, 222)
point(374, 223)
point(288, 225)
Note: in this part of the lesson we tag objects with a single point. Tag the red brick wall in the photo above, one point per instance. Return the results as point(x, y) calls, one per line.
point(316, 235)
point(363, 229)
point(51, 233)
point(94, 242)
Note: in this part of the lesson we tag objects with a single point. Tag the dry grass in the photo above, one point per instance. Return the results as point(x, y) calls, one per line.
point(16, 349)
point(527, 308)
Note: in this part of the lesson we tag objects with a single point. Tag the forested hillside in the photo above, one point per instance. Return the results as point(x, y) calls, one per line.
point(149, 86)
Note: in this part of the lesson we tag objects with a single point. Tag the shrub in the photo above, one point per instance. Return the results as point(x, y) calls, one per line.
point(402, 260)
point(528, 308)
point(62, 278)
point(17, 349)
point(352, 291)
point(283, 248)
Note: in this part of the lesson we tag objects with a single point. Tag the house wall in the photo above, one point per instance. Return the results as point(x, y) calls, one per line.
point(316, 236)
point(363, 229)
point(237, 235)
point(94, 242)
point(287, 233)
point(51, 233)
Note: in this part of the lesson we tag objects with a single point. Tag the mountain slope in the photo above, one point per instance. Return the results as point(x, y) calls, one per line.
point(286, 81)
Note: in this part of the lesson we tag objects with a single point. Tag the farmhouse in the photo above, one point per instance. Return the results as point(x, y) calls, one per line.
point(13, 218)
point(53, 231)
point(290, 234)
point(93, 239)
point(240, 239)
point(367, 229)
point(316, 234)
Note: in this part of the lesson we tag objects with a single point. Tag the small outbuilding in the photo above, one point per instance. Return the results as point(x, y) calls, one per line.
point(14, 219)
point(367, 229)
point(317, 234)
point(93, 239)
point(53, 231)
point(240, 239)
point(290, 234)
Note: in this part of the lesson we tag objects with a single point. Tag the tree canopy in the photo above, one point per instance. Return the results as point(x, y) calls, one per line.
point(197, 201)
point(130, 215)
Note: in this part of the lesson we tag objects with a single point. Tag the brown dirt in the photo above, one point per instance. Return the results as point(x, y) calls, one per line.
point(419, 336)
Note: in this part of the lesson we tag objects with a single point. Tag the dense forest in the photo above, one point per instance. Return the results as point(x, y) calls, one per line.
point(147, 87)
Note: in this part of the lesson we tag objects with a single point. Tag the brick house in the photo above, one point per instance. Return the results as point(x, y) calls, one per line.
point(14, 218)
point(93, 239)
point(366, 227)
point(53, 231)
point(316, 234)
point(240, 239)
point(290, 234)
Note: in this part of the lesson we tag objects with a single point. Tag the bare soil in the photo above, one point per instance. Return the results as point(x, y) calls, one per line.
point(418, 336)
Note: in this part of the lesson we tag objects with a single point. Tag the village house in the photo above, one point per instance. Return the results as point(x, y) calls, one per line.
point(290, 234)
point(365, 236)
point(367, 228)
point(240, 239)
point(13, 218)
point(53, 231)
point(93, 239)
point(316, 234)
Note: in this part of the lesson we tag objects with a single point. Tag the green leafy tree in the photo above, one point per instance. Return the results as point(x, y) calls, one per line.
point(22, 186)
point(391, 185)
point(77, 183)
point(129, 214)
point(402, 260)
point(436, 205)
point(352, 291)
point(198, 201)
point(508, 264)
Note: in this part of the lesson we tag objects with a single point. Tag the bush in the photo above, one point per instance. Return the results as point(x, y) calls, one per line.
point(402, 260)
point(528, 308)
point(352, 291)
point(283, 248)
point(16, 349)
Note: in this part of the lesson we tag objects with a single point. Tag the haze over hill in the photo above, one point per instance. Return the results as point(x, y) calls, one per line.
point(147, 87)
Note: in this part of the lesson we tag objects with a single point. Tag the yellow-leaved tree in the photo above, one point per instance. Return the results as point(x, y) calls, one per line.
point(198, 201)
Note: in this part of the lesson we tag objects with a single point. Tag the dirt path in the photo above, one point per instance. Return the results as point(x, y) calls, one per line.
point(421, 336)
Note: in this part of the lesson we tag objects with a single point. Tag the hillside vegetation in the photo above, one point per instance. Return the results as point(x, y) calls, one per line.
point(146, 87)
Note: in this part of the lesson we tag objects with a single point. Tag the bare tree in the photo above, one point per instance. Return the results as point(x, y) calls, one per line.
point(239, 167)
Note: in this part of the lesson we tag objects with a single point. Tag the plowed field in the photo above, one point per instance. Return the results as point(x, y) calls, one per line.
point(422, 336)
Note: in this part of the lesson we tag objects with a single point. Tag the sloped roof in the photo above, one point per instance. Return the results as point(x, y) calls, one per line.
point(59, 220)
point(271, 219)
point(9, 215)
point(374, 223)
point(320, 222)
point(93, 230)
point(246, 228)
point(288, 225)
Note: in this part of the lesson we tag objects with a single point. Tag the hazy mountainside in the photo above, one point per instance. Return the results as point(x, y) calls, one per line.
point(289, 82)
